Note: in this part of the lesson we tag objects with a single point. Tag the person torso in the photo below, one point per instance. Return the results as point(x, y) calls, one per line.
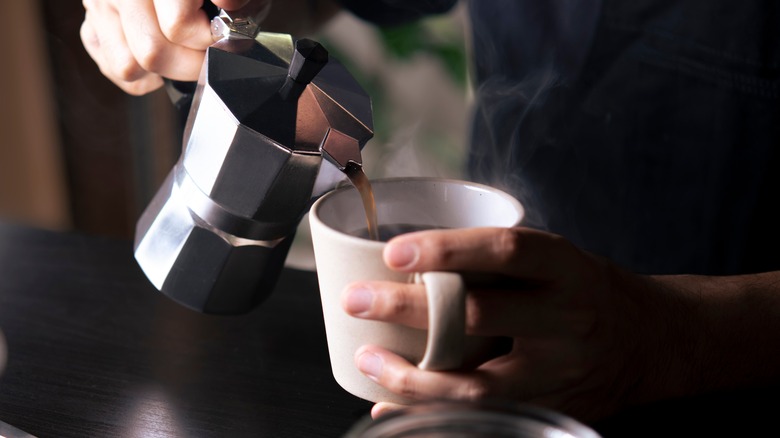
point(645, 131)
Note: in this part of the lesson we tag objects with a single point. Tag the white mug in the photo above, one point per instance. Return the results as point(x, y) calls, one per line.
point(342, 258)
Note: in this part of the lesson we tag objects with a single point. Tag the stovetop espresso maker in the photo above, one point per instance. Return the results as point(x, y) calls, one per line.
point(273, 123)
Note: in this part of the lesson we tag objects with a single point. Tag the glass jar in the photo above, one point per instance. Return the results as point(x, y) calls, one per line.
point(453, 419)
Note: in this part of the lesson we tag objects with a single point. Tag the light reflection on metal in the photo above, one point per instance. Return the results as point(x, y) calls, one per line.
point(265, 113)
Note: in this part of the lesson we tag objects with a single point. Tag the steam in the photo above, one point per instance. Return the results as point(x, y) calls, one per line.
point(409, 152)
point(526, 53)
point(503, 138)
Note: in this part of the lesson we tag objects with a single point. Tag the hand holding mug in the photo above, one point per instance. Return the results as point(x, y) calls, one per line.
point(587, 336)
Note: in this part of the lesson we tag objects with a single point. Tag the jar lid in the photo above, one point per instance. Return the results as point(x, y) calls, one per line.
point(453, 419)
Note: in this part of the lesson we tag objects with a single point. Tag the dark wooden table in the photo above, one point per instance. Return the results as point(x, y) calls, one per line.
point(96, 351)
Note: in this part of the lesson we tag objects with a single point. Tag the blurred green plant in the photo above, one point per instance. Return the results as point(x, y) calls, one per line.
point(438, 37)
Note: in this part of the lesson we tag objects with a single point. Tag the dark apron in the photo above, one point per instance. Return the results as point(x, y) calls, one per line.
point(644, 131)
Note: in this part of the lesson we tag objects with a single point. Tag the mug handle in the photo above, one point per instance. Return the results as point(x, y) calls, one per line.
point(446, 320)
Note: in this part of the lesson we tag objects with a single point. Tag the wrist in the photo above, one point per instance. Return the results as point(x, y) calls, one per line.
point(707, 334)
point(669, 322)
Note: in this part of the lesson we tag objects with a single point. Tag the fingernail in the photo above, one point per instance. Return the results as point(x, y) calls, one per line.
point(370, 364)
point(401, 255)
point(358, 300)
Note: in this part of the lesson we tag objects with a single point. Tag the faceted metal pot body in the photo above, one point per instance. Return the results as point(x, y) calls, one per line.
point(265, 113)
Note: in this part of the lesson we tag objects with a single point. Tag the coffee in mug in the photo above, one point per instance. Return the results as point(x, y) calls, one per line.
point(386, 232)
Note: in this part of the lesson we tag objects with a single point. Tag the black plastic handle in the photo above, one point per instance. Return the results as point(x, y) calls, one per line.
point(211, 9)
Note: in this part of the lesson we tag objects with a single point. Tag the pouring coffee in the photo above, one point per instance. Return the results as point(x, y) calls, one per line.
point(275, 122)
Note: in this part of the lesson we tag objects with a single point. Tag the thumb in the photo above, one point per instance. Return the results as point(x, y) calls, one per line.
point(257, 9)
point(230, 5)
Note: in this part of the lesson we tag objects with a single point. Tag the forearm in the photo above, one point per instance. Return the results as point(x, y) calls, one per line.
point(742, 330)
point(725, 332)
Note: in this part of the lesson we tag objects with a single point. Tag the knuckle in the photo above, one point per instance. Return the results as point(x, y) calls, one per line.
point(476, 316)
point(506, 244)
point(402, 384)
point(126, 69)
point(473, 390)
point(401, 303)
point(151, 57)
point(171, 25)
point(88, 37)
point(442, 253)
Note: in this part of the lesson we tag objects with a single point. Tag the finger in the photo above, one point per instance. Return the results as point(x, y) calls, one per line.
point(513, 376)
point(519, 252)
point(401, 377)
point(488, 312)
point(151, 49)
point(114, 57)
point(509, 376)
point(89, 38)
point(383, 408)
point(231, 5)
point(105, 44)
point(184, 23)
point(402, 303)
point(88, 35)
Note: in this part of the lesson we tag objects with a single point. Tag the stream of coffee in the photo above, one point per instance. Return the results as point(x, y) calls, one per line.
point(359, 179)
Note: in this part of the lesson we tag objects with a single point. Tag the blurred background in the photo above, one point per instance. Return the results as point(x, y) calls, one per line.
point(78, 154)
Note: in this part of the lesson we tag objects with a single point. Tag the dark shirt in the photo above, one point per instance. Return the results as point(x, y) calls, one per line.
point(646, 131)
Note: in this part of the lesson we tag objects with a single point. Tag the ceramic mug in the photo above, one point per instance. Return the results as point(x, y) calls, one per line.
point(342, 257)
